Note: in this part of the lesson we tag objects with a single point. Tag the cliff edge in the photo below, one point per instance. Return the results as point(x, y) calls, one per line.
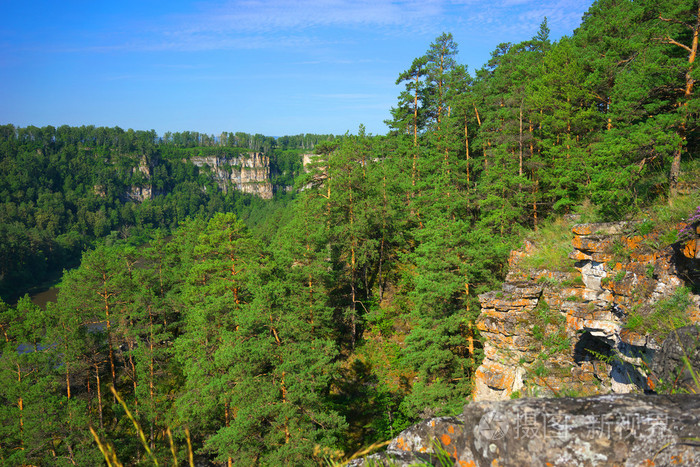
point(593, 324)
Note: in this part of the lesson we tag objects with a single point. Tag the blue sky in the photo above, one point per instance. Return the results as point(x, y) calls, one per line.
point(276, 67)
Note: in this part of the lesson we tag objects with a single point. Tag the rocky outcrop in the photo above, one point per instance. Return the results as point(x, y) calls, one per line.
point(249, 173)
point(144, 191)
point(575, 329)
point(624, 430)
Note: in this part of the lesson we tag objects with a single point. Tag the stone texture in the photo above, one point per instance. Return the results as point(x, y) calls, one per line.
point(616, 272)
point(621, 430)
point(669, 365)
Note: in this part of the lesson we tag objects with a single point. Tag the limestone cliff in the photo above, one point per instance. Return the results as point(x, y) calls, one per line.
point(577, 329)
point(249, 173)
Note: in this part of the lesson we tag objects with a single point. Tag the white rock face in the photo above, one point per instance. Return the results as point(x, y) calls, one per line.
point(247, 173)
point(592, 273)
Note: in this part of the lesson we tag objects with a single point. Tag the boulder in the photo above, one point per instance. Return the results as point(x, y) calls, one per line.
point(620, 429)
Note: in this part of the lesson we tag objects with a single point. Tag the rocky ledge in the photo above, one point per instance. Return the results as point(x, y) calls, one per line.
point(624, 430)
point(580, 329)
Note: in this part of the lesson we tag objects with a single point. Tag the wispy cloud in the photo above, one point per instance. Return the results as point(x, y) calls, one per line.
point(348, 96)
point(300, 24)
point(508, 18)
point(272, 15)
point(261, 24)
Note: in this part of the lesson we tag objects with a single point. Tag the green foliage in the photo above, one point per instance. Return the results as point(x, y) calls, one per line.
point(665, 315)
point(68, 188)
point(548, 280)
point(549, 330)
point(668, 237)
point(645, 227)
point(552, 243)
point(620, 252)
point(649, 271)
point(676, 210)
point(576, 281)
point(620, 276)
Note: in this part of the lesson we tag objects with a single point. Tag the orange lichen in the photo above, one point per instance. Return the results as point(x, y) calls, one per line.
point(690, 250)
point(446, 440)
point(632, 242)
point(401, 444)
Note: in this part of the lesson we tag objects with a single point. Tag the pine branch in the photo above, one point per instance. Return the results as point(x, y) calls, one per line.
point(668, 40)
point(676, 21)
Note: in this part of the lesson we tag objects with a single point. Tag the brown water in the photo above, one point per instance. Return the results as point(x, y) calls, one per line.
point(44, 297)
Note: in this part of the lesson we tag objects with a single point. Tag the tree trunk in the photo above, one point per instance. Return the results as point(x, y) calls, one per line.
point(20, 406)
point(99, 395)
point(466, 147)
point(520, 142)
point(689, 83)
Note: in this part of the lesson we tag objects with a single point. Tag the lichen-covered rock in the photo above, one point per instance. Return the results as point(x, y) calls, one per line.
point(558, 332)
point(624, 430)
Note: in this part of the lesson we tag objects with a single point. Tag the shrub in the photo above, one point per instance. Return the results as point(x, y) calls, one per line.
point(620, 252)
point(649, 270)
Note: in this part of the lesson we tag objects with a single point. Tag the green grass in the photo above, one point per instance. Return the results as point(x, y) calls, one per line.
point(665, 315)
point(620, 276)
point(575, 282)
point(671, 212)
point(551, 342)
point(549, 281)
point(620, 252)
point(552, 247)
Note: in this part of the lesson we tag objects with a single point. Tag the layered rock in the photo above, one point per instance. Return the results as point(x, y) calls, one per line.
point(249, 173)
point(567, 331)
point(625, 430)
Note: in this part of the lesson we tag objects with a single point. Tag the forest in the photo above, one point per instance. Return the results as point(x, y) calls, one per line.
point(300, 329)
